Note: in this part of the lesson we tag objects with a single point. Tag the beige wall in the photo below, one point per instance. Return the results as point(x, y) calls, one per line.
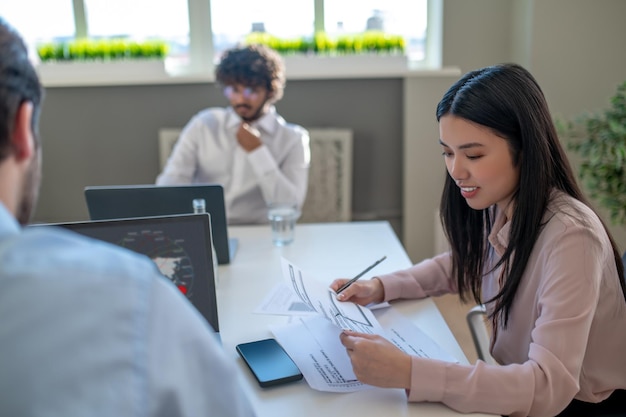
point(424, 171)
point(575, 49)
point(580, 64)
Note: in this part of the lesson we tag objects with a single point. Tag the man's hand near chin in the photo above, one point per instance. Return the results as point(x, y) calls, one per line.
point(248, 137)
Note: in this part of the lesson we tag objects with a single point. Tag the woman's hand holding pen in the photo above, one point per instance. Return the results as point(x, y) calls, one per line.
point(376, 361)
point(360, 292)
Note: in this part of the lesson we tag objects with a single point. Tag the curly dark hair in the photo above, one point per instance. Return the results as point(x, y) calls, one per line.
point(18, 84)
point(253, 66)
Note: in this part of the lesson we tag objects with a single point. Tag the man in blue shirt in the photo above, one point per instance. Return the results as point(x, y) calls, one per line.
point(88, 328)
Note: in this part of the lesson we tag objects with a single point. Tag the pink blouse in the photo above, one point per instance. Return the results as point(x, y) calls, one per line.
point(566, 335)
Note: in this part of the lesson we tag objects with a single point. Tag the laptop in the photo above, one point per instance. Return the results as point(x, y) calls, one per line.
point(180, 246)
point(124, 201)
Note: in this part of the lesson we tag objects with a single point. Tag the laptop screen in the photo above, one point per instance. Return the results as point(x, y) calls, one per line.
point(124, 201)
point(180, 245)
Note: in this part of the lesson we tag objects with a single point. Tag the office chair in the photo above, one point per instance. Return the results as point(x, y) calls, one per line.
point(329, 193)
point(480, 335)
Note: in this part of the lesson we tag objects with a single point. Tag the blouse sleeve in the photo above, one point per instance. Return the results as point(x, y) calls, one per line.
point(428, 278)
point(557, 301)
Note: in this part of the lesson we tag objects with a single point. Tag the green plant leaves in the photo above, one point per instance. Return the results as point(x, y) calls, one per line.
point(101, 49)
point(321, 44)
point(602, 149)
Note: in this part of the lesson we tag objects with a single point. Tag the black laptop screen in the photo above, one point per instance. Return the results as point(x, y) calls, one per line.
point(124, 201)
point(179, 245)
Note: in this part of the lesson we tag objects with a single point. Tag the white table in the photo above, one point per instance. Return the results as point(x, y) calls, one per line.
point(329, 251)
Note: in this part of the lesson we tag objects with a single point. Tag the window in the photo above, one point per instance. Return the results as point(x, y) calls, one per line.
point(37, 26)
point(233, 20)
point(142, 20)
point(339, 17)
point(197, 31)
point(398, 17)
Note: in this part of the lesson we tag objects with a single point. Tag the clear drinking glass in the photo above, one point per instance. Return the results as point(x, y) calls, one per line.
point(283, 218)
point(199, 207)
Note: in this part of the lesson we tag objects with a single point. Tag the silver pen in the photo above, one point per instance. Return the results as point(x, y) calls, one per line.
point(353, 280)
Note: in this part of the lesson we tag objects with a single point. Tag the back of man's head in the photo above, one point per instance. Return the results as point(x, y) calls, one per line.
point(19, 83)
point(253, 66)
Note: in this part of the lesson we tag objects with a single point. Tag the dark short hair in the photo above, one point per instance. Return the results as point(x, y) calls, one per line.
point(253, 66)
point(19, 83)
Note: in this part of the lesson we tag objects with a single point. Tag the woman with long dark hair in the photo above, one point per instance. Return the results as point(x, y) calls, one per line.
point(523, 241)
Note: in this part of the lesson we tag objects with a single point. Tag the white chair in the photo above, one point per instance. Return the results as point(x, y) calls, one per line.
point(167, 140)
point(478, 328)
point(329, 193)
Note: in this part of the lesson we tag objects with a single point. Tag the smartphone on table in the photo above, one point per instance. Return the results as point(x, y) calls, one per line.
point(269, 362)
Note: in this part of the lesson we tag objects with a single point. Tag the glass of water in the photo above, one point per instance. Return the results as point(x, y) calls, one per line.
point(283, 219)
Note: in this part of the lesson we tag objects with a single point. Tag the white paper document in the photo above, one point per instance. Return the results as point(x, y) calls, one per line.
point(319, 297)
point(313, 342)
point(283, 300)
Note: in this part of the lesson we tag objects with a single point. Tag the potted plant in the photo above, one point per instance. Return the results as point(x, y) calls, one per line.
point(321, 44)
point(368, 52)
point(101, 50)
point(87, 59)
point(600, 141)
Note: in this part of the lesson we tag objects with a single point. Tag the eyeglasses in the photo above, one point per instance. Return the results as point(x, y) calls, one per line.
point(247, 92)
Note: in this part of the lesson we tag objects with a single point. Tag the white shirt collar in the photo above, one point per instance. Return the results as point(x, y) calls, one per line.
point(268, 123)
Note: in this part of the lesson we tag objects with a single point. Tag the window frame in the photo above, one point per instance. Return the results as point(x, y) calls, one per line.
point(201, 65)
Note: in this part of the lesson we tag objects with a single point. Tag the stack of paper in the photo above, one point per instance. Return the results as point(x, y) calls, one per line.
point(312, 339)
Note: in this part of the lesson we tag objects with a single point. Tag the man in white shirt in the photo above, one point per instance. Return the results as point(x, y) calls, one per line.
point(89, 328)
point(247, 147)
